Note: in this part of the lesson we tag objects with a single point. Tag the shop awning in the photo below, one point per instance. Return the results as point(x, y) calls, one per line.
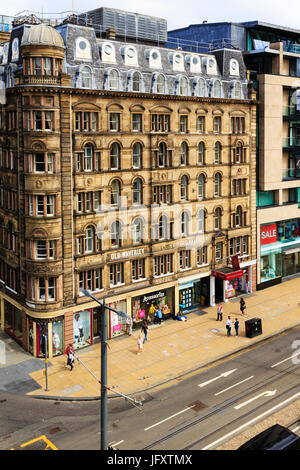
point(227, 273)
point(293, 249)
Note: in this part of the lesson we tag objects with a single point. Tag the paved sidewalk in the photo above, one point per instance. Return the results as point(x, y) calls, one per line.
point(173, 348)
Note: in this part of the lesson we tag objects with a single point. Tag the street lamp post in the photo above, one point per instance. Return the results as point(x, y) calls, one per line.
point(103, 377)
point(104, 386)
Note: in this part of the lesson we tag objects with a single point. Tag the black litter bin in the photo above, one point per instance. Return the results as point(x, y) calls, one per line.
point(253, 327)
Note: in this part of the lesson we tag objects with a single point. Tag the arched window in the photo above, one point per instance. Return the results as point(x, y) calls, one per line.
point(217, 152)
point(218, 216)
point(115, 192)
point(217, 89)
point(239, 217)
point(160, 84)
point(183, 188)
point(138, 228)
point(115, 232)
point(239, 153)
point(237, 91)
point(201, 153)
point(184, 153)
point(137, 191)
point(137, 155)
point(113, 80)
point(201, 182)
point(183, 86)
point(88, 157)
point(89, 239)
point(163, 227)
point(136, 82)
point(86, 77)
point(162, 154)
point(184, 223)
point(218, 180)
point(201, 91)
point(201, 221)
point(115, 156)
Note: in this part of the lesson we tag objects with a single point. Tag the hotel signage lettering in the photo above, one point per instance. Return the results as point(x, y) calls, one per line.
point(127, 254)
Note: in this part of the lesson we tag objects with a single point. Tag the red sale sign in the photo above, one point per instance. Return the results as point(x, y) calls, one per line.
point(268, 234)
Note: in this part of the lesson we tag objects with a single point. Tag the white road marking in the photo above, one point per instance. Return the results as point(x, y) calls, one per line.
point(243, 426)
point(269, 393)
point(284, 360)
point(235, 385)
point(170, 417)
point(295, 429)
point(225, 374)
point(117, 443)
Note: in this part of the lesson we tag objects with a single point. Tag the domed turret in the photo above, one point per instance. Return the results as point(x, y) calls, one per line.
point(42, 35)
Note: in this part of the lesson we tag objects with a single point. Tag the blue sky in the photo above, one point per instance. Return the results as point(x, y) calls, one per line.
point(178, 13)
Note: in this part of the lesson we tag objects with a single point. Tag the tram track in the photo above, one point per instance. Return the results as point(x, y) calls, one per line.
point(226, 406)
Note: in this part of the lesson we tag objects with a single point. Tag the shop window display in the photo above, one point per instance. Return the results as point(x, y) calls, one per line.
point(82, 329)
point(117, 323)
point(41, 337)
point(144, 307)
point(57, 337)
point(279, 255)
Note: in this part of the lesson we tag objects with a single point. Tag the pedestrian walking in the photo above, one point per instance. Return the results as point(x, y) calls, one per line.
point(140, 344)
point(228, 326)
point(159, 315)
point(69, 349)
point(71, 359)
point(145, 330)
point(236, 326)
point(242, 305)
point(220, 313)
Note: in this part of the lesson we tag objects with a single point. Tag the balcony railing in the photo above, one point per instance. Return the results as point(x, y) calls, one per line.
point(40, 79)
point(290, 173)
point(295, 48)
point(291, 142)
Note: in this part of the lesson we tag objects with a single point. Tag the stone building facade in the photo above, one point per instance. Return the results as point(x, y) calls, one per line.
point(126, 170)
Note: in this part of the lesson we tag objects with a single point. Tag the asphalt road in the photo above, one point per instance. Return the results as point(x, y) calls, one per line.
point(209, 408)
point(200, 412)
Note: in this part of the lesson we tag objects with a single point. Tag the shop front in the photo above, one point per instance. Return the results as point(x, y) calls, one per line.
point(279, 251)
point(230, 283)
point(144, 306)
point(194, 294)
point(42, 332)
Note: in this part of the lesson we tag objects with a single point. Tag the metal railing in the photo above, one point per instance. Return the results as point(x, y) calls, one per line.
point(290, 173)
point(295, 48)
point(290, 110)
point(291, 142)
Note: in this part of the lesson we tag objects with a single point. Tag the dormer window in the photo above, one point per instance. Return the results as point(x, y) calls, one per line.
point(113, 80)
point(86, 77)
point(183, 86)
point(136, 82)
point(160, 84)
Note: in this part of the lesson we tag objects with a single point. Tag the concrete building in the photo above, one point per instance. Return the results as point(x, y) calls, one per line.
point(272, 57)
point(126, 168)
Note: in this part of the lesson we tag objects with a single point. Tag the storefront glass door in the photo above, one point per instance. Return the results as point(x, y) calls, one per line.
point(290, 264)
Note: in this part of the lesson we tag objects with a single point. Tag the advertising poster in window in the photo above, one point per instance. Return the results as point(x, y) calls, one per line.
point(82, 329)
point(117, 323)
